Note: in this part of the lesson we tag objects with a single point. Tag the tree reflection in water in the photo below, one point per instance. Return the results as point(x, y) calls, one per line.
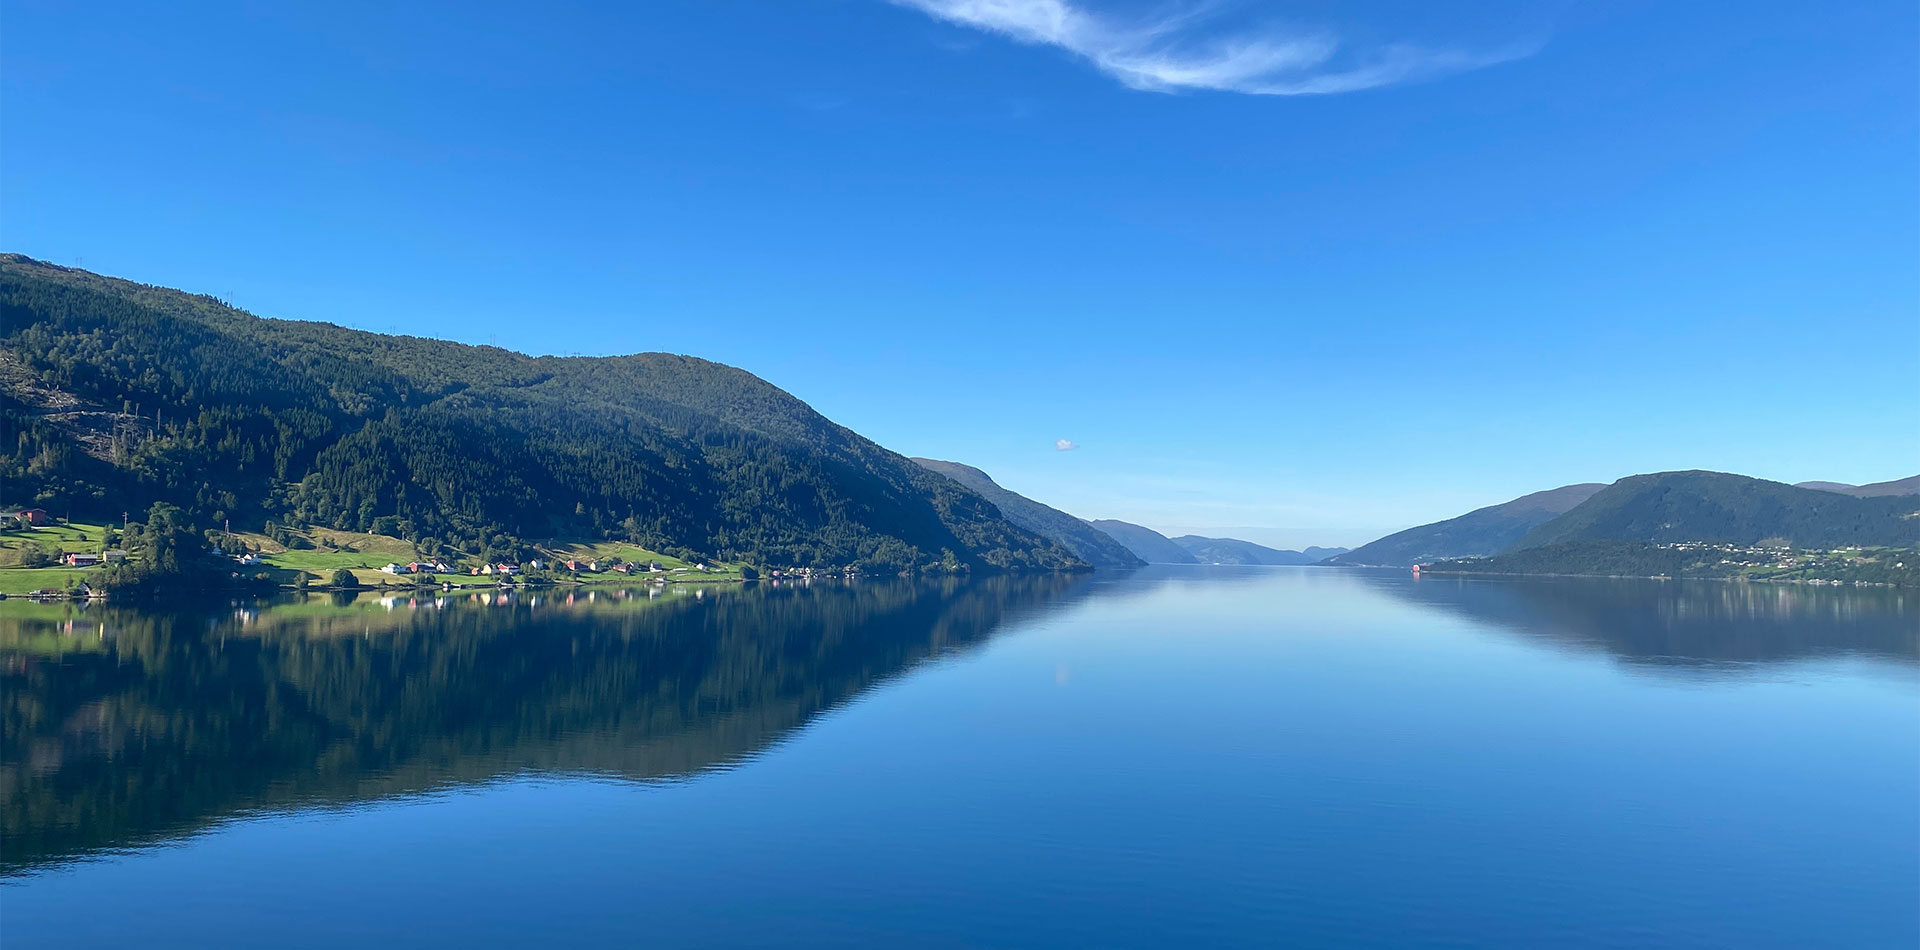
point(126, 726)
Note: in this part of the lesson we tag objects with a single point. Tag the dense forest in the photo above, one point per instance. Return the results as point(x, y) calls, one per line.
point(1731, 509)
point(116, 395)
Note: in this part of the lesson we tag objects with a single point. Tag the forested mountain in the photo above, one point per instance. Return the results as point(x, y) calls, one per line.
point(1900, 486)
point(1083, 540)
point(114, 395)
point(1147, 544)
point(1732, 509)
point(1235, 551)
point(1488, 530)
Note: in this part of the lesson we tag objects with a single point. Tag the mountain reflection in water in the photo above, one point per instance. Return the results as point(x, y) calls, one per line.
point(126, 726)
point(1699, 625)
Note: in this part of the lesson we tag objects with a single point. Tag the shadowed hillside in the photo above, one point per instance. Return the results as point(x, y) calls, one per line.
point(1082, 540)
point(1147, 544)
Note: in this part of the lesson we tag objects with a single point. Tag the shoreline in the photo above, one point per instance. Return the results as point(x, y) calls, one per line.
point(1810, 582)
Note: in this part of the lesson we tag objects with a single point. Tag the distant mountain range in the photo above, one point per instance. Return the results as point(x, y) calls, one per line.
point(1086, 542)
point(1235, 551)
point(1488, 530)
point(1155, 548)
point(1901, 486)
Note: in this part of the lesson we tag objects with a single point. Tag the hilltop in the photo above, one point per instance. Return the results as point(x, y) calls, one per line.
point(1668, 507)
point(1714, 524)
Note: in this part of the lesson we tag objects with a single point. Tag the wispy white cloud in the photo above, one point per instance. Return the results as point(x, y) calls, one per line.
point(1175, 49)
point(1065, 445)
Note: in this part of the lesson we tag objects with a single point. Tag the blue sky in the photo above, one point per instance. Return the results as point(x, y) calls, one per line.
point(1494, 247)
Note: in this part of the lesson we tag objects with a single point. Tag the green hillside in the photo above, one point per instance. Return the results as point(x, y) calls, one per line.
point(115, 395)
point(1085, 542)
point(1731, 509)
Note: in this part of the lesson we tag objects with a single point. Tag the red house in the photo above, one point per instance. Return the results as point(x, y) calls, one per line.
point(32, 516)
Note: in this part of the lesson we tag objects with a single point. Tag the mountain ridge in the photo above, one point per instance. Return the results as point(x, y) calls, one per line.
point(1482, 531)
point(1147, 544)
point(1899, 486)
point(1235, 551)
point(1081, 539)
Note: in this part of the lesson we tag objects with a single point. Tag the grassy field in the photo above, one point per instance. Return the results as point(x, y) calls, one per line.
point(608, 550)
point(54, 539)
point(22, 580)
point(676, 568)
point(62, 538)
point(361, 554)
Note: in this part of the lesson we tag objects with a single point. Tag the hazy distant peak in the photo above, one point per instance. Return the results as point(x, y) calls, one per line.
point(1899, 486)
point(1235, 551)
point(1557, 500)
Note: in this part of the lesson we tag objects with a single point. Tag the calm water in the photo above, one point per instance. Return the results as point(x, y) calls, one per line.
point(1221, 756)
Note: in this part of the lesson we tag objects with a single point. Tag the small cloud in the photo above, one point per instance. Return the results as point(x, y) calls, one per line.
point(1175, 50)
point(1065, 445)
